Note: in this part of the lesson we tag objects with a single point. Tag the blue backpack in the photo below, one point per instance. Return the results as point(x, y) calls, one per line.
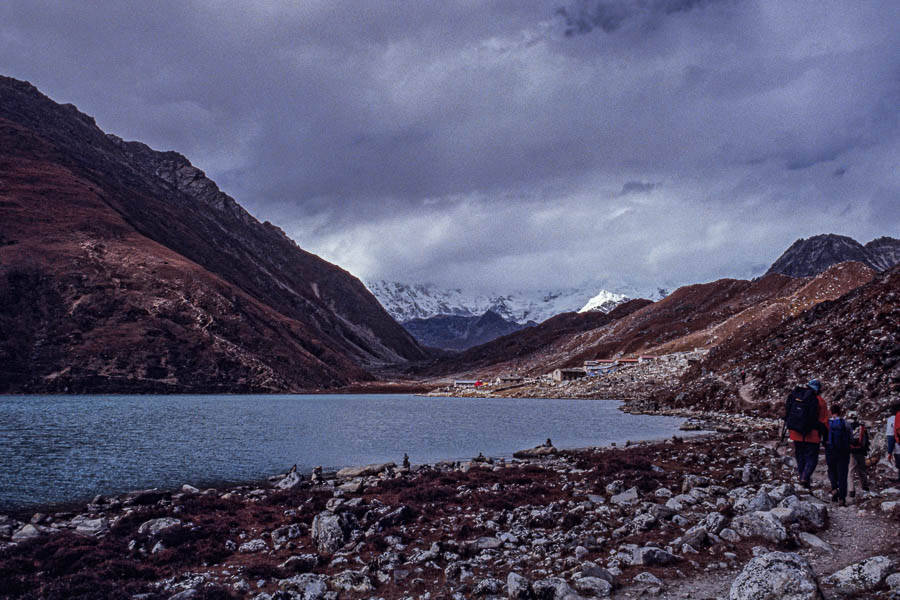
point(839, 436)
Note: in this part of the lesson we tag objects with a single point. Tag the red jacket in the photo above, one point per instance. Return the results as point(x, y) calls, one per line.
point(813, 436)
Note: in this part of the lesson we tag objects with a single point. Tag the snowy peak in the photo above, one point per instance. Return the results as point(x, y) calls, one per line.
point(422, 301)
point(603, 302)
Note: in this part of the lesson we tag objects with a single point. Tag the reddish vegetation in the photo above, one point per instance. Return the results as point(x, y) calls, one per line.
point(125, 269)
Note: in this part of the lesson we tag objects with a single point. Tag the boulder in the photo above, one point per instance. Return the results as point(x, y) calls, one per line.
point(861, 577)
point(189, 489)
point(92, 527)
point(760, 524)
point(761, 501)
point(365, 471)
point(329, 532)
point(488, 587)
point(283, 535)
point(595, 587)
point(307, 586)
point(554, 588)
point(518, 588)
point(627, 497)
point(300, 563)
point(256, 545)
point(352, 581)
point(154, 527)
point(290, 481)
point(814, 542)
point(776, 576)
point(652, 557)
point(27, 532)
point(591, 569)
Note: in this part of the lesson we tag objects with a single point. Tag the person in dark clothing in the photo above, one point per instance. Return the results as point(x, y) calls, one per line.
point(743, 377)
point(859, 450)
point(837, 454)
point(806, 445)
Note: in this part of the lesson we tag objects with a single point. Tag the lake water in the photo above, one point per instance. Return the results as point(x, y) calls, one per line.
point(57, 449)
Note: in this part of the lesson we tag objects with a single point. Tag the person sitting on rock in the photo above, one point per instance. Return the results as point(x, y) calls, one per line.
point(806, 419)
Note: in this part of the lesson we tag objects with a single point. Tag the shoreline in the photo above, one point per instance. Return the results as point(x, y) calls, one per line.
point(69, 506)
point(664, 518)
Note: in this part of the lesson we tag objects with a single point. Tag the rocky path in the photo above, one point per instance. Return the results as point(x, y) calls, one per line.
point(707, 518)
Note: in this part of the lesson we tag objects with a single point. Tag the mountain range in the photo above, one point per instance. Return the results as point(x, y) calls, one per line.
point(126, 269)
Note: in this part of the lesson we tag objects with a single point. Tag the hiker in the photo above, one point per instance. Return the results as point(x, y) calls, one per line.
point(859, 449)
point(894, 436)
point(806, 419)
point(743, 377)
point(837, 454)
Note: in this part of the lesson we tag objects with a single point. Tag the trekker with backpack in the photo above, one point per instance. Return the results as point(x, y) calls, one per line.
point(837, 454)
point(806, 419)
point(894, 434)
point(859, 449)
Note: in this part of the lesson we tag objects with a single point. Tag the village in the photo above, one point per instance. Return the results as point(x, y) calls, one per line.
point(634, 378)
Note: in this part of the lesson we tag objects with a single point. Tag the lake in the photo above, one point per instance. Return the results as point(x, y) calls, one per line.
point(59, 449)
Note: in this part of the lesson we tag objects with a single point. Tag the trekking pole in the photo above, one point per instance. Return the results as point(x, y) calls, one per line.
point(781, 441)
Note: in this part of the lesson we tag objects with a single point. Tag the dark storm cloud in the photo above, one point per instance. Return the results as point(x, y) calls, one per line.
point(583, 16)
point(637, 187)
point(479, 144)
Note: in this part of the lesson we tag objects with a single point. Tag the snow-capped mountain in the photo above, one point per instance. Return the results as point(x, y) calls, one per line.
point(421, 301)
point(603, 302)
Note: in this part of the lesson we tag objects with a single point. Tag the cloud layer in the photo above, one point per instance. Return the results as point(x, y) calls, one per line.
point(504, 144)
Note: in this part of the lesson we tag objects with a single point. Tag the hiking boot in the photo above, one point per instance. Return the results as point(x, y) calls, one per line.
point(834, 496)
point(843, 502)
point(808, 485)
point(853, 494)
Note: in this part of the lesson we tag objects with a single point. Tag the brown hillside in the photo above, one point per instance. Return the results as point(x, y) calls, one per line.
point(851, 344)
point(125, 269)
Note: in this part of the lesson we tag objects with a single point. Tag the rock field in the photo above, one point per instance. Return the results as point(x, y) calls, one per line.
point(718, 516)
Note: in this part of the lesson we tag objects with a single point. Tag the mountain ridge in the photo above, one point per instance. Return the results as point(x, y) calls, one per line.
point(134, 249)
point(808, 257)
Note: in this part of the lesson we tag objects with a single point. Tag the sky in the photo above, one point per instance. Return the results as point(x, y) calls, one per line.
point(504, 145)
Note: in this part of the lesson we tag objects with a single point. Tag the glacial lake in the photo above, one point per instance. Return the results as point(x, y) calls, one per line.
point(60, 449)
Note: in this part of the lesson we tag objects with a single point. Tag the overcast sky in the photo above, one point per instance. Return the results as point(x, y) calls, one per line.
point(509, 144)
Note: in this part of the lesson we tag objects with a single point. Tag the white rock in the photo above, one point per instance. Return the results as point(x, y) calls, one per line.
point(760, 524)
point(256, 545)
point(863, 576)
point(627, 497)
point(775, 576)
point(27, 532)
point(594, 586)
point(154, 527)
point(814, 542)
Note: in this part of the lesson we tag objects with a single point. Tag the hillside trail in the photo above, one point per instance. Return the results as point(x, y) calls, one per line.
point(854, 533)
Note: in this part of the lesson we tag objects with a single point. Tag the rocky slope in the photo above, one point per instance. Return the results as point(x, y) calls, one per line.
point(450, 332)
point(698, 316)
point(809, 257)
point(126, 269)
point(851, 343)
